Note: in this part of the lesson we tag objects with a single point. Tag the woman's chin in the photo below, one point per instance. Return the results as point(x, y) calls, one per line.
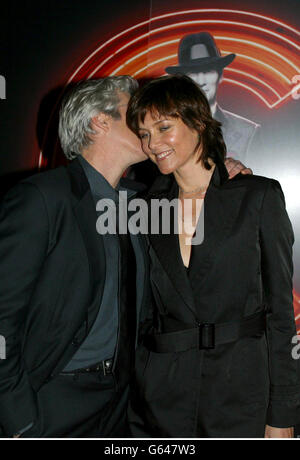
point(165, 169)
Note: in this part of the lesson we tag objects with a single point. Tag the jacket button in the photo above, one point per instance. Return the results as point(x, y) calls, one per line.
point(75, 341)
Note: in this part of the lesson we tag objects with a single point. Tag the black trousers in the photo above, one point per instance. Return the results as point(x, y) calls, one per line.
point(81, 405)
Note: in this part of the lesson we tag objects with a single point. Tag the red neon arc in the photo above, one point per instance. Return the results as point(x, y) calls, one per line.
point(297, 309)
point(266, 61)
point(242, 14)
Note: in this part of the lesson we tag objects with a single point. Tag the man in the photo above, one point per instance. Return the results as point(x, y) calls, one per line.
point(70, 298)
point(200, 59)
point(64, 310)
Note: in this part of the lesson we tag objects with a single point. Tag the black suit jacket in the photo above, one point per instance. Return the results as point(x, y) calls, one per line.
point(243, 266)
point(52, 271)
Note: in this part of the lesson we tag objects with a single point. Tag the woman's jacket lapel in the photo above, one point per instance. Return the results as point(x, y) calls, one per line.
point(221, 208)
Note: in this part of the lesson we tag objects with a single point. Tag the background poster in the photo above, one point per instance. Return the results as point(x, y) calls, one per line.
point(50, 44)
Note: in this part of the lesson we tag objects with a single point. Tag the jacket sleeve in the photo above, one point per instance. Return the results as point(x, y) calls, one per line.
point(276, 237)
point(23, 248)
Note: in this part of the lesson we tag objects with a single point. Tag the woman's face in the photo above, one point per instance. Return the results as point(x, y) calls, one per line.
point(168, 142)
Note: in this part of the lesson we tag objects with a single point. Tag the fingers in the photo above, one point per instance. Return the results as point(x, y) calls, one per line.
point(246, 171)
point(230, 163)
point(272, 432)
point(235, 167)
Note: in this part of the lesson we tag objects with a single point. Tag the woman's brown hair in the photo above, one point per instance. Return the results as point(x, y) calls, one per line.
point(178, 96)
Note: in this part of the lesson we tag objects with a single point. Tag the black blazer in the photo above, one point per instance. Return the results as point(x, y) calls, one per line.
point(243, 266)
point(52, 271)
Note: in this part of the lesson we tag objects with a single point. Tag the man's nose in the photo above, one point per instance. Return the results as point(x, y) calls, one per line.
point(201, 78)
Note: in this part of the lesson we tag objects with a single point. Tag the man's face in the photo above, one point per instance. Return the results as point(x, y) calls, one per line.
point(208, 82)
point(124, 140)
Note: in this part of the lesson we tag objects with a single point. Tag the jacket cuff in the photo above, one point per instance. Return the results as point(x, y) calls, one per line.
point(284, 406)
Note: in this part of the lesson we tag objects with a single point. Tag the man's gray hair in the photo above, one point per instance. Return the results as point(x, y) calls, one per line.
point(84, 102)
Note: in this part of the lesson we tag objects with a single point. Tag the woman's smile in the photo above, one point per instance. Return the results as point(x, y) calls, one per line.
point(163, 155)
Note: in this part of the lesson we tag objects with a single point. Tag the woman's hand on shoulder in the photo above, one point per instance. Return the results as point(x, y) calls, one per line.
point(272, 432)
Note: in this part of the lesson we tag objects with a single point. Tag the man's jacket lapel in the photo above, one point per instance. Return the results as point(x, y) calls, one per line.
point(85, 212)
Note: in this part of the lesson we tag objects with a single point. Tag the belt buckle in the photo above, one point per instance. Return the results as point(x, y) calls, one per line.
point(107, 366)
point(206, 336)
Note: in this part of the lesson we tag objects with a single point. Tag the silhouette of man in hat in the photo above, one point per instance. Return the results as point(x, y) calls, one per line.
point(200, 59)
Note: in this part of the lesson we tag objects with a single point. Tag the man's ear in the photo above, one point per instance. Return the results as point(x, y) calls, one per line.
point(101, 123)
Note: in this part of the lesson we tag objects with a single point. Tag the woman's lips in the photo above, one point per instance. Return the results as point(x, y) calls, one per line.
point(163, 155)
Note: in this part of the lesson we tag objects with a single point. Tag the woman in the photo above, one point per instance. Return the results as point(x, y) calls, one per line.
point(217, 361)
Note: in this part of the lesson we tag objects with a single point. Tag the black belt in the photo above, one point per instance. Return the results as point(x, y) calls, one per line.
point(104, 367)
point(207, 335)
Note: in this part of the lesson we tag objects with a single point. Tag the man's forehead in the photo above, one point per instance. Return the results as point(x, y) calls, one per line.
point(203, 71)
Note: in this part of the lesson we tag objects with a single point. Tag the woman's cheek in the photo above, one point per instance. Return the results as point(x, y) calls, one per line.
point(145, 148)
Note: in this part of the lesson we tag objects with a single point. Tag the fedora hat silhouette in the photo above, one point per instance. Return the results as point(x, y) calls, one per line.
point(199, 52)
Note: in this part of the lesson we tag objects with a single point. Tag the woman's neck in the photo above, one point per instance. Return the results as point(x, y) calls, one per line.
point(193, 177)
